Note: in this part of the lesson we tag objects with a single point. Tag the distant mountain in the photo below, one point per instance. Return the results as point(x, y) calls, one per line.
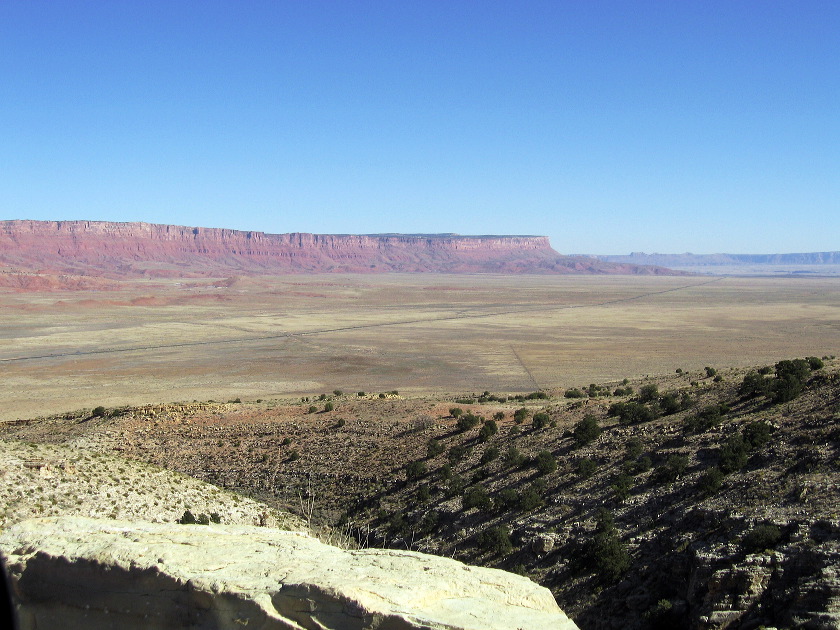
point(817, 263)
point(115, 250)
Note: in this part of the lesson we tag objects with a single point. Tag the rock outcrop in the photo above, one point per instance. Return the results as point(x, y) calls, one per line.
point(73, 572)
point(100, 248)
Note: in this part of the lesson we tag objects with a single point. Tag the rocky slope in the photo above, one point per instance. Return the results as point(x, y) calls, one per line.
point(813, 263)
point(114, 250)
point(720, 499)
point(76, 572)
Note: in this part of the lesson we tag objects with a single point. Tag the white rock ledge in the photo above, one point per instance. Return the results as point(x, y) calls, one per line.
point(71, 572)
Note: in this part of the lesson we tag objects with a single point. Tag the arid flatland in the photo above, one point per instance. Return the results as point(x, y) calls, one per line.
point(165, 340)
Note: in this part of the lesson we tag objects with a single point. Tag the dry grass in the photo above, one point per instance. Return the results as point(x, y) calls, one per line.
point(259, 338)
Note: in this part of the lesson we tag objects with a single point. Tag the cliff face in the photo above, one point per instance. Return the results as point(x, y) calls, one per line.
point(132, 249)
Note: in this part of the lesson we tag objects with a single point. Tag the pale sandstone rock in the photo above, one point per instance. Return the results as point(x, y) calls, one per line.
point(72, 572)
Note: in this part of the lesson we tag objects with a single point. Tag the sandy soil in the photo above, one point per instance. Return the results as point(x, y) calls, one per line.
point(152, 341)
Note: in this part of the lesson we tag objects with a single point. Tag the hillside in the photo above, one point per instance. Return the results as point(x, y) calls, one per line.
point(60, 252)
point(692, 500)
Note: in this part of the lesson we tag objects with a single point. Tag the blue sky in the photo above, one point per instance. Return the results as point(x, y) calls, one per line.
point(608, 126)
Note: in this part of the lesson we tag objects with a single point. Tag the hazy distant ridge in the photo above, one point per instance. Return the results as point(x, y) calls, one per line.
point(688, 259)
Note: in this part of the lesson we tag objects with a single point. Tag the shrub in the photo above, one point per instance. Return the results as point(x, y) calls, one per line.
point(187, 519)
point(574, 393)
point(361, 394)
point(648, 393)
point(490, 453)
point(815, 363)
point(621, 486)
point(506, 500)
point(98, 412)
point(414, 470)
point(707, 418)
point(631, 412)
point(456, 412)
point(710, 371)
point(530, 499)
point(710, 482)
point(585, 468)
point(632, 448)
point(338, 392)
point(761, 537)
point(540, 420)
point(754, 385)
point(499, 416)
point(313, 409)
point(340, 422)
point(672, 469)
point(545, 462)
point(423, 493)
point(586, 431)
point(215, 518)
point(328, 407)
point(457, 453)
point(757, 434)
point(434, 448)
point(488, 430)
point(733, 454)
point(606, 554)
point(786, 388)
point(623, 391)
point(520, 414)
point(467, 422)
point(513, 458)
point(495, 540)
point(476, 497)
point(669, 403)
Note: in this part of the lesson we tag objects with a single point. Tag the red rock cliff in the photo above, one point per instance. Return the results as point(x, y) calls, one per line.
point(129, 249)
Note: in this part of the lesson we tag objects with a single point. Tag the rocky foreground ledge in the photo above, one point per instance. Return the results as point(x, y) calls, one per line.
point(73, 572)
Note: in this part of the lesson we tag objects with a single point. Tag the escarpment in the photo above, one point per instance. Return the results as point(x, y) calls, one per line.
point(93, 248)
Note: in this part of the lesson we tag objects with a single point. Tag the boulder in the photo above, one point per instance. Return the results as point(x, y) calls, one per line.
point(73, 572)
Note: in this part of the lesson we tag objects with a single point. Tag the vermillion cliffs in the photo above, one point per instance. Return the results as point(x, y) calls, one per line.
point(100, 248)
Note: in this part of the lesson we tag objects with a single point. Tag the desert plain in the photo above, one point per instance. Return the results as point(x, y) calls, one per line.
point(150, 341)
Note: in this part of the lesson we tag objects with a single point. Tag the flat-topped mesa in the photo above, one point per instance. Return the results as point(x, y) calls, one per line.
point(133, 249)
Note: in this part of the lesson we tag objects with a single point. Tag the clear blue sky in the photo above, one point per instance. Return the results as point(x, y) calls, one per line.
point(702, 126)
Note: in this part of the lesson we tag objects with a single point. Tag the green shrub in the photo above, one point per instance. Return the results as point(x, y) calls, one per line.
point(312, 409)
point(488, 430)
point(434, 448)
point(499, 416)
point(495, 540)
point(815, 363)
point(215, 518)
point(574, 393)
point(530, 499)
point(648, 393)
point(187, 519)
point(710, 482)
point(328, 407)
point(490, 453)
point(623, 391)
point(673, 468)
point(545, 462)
point(710, 371)
point(669, 403)
point(98, 412)
point(733, 454)
point(621, 485)
point(456, 412)
point(540, 420)
point(585, 468)
point(632, 448)
point(631, 412)
point(513, 458)
point(467, 422)
point(506, 500)
point(761, 537)
point(457, 453)
point(586, 431)
point(754, 385)
point(476, 497)
point(338, 392)
point(415, 470)
point(605, 553)
point(757, 434)
point(520, 414)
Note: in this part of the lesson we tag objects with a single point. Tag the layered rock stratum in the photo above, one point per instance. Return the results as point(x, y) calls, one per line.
point(115, 250)
point(74, 572)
